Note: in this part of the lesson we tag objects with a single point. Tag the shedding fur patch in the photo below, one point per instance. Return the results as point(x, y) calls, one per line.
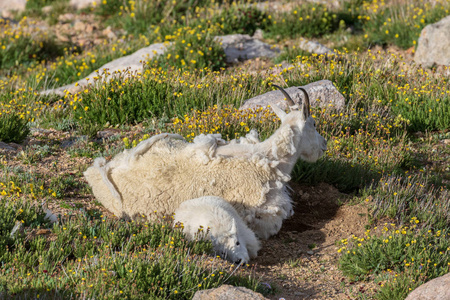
point(284, 145)
point(170, 171)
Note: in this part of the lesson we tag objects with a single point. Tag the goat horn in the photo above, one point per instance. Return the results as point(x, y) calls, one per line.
point(288, 98)
point(308, 108)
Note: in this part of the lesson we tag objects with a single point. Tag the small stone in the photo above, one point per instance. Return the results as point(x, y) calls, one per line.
point(18, 228)
point(7, 147)
point(50, 216)
point(65, 18)
point(62, 37)
point(314, 47)
point(79, 26)
point(43, 231)
point(240, 47)
point(109, 33)
point(258, 34)
point(47, 9)
point(90, 28)
point(80, 4)
point(228, 292)
point(310, 252)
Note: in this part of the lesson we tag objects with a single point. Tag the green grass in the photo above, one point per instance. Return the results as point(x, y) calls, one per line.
point(399, 24)
point(242, 20)
point(307, 20)
point(402, 198)
point(25, 45)
point(401, 258)
point(93, 255)
point(13, 128)
point(193, 49)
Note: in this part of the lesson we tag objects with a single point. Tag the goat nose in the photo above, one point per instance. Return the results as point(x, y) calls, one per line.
point(238, 262)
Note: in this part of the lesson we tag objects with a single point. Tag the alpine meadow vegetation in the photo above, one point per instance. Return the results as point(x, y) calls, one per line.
point(387, 148)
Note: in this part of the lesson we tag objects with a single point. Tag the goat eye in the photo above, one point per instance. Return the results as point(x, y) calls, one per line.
point(237, 243)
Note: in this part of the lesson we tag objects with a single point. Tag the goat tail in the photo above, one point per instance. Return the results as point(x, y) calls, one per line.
point(103, 168)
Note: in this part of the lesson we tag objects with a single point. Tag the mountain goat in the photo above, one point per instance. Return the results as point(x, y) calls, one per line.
point(231, 238)
point(164, 170)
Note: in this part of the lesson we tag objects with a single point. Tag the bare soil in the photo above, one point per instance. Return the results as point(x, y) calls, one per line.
point(301, 260)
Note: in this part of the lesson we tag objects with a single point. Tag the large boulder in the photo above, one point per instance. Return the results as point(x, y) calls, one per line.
point(228, 292)
point(436, 289)
point(321, 93)
point(7, 5)
point(434, 44)
point(240, 47)
point(130, 63)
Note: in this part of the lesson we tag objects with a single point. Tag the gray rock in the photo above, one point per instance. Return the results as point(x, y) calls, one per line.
point(130, 63)
point(436, 289)
point(8, 5)
point(80, 4)
point(50, 216)
point(6, 147)
point(18, 229)
point(434, 44)
point(47, 9)
point(108, 133)
point(74, 141)
point(228, 292)
point(258, 34)
point(314, 47)
point(321, 93)
point(239, 47)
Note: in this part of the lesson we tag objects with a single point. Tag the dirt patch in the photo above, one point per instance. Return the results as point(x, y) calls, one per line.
point(301, 261)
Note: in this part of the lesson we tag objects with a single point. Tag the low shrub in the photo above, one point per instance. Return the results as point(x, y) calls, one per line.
point(308, 20)
point(26, 45)
point(99, 257)
point(402, 258)
point(399, 24)
point(13, 128)
point(243, 20)
point(193, 49)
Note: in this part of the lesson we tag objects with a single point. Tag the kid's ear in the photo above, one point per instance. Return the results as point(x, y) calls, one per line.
point(279, 112)
point(233, 227)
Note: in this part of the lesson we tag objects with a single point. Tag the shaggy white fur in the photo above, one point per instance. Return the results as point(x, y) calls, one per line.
point(231, 238)
point(165, 170)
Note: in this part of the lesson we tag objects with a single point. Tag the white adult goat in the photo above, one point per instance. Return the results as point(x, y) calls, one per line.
point(163, 171)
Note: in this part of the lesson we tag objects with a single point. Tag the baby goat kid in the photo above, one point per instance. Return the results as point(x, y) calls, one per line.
point(231, 238)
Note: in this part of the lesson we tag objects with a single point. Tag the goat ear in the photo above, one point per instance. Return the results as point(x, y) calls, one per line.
point(279, 112)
